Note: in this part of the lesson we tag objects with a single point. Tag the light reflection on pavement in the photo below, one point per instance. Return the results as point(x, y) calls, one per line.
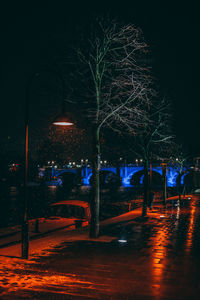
point(160, 261)
point(191, 227)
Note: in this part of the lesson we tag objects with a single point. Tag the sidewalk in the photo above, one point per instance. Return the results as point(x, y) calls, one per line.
point(64, 232)
point(160, 260)
point(51, 239)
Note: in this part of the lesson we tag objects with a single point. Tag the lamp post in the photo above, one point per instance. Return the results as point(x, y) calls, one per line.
point(164, 172)
point(61, 119)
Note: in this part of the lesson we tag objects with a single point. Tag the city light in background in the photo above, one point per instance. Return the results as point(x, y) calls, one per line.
point(105, 183)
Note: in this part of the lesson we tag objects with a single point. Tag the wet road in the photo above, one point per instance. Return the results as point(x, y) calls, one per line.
point(159, 261)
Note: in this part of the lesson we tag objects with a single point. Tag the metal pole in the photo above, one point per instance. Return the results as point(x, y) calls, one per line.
point(146, 188)
point(164, 171)
point(150, 175)
point(25, 229)
point(95, 203)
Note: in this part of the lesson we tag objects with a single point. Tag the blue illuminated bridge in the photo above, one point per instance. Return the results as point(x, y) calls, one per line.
point(129, 175)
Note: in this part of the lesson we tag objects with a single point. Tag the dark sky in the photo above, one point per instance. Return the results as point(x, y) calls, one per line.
point(34, 34)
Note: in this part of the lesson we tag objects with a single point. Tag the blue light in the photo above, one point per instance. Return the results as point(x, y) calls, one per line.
point(126, 173)
point(141, 179)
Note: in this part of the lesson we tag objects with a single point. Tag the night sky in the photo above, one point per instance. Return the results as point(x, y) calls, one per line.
point(33, 35)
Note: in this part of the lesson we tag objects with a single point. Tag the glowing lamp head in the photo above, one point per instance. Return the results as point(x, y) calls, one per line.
point(63, 123)
point(62, 120)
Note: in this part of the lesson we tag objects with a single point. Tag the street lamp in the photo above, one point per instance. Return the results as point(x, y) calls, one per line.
point(60, 120)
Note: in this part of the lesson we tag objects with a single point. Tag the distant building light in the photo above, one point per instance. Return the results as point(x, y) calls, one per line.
point(162, 216)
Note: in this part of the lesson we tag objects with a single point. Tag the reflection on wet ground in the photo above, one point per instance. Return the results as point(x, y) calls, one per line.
point(159, 261)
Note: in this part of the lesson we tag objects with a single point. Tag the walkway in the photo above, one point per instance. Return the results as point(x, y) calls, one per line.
point(160, 260)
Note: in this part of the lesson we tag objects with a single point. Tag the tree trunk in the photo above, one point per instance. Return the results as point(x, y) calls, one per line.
point(146, 188)
point(95, 202)
point(179, 187)
point(165, 190)
point(164, 173)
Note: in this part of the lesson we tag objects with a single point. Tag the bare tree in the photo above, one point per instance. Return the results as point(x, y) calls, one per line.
point(154, 140)
point(179, 158)
point(119, 88)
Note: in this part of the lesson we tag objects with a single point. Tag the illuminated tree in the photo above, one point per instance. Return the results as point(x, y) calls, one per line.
point(118, 88)
point(155, 139)
point(178, 158)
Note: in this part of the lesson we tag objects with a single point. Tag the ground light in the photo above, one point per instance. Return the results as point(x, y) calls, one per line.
point(122, 241)
point(123, 235)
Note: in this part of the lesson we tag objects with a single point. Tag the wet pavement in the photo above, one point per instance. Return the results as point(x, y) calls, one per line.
point(158, 259)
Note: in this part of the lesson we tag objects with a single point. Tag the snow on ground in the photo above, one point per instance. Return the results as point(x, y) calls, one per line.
point(17, 274)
